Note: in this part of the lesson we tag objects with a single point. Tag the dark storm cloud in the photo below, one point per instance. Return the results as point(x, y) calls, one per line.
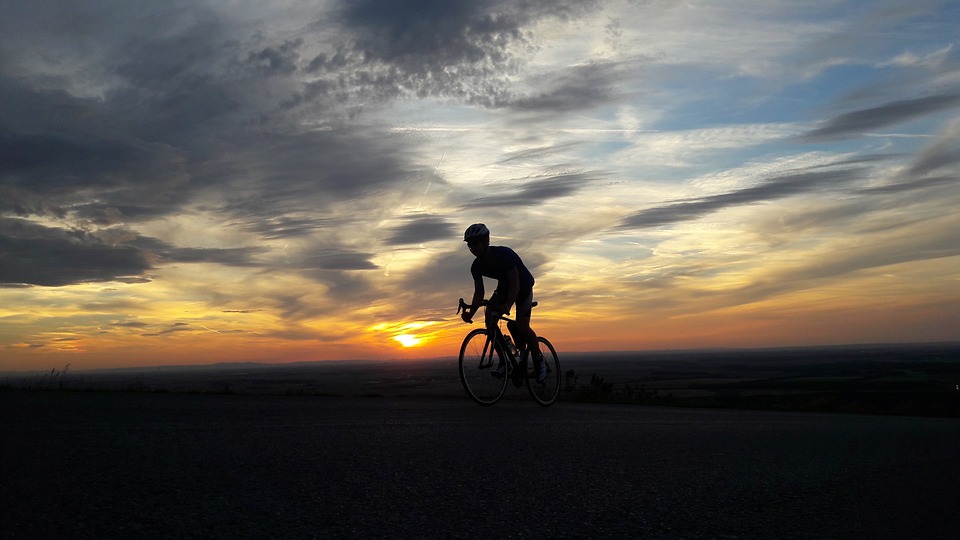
point(421, 35)
point(120, 114)
point(56, 150)
point(36, 255)
point(167, 253)
point(895, 112)
point(44, 173)
point(282, 172)
point(227, 256)
point(775, 188)
point(446, 47)
point(534, 192)
point(187, 109)
point(276, 61)
point(181, 77)
point(420, 229)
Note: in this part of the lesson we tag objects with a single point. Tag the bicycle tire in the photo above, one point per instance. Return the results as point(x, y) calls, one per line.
point(545, 393)
point(478, 358)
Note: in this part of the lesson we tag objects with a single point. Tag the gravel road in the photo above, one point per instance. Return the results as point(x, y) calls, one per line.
point(117, 465)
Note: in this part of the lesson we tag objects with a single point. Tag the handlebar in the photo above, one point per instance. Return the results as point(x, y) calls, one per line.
point(463, 305)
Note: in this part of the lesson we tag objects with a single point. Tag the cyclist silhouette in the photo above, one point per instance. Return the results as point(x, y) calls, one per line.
point(514, 286)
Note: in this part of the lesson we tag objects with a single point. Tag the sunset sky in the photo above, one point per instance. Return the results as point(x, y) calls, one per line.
point(191, 182)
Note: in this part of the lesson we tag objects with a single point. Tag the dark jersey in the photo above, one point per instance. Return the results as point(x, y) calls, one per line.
point(499, 261)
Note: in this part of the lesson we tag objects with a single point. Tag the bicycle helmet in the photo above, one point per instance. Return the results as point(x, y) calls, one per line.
point(477, 230)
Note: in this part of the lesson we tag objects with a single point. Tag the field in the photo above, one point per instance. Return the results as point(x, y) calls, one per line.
point(920, 380)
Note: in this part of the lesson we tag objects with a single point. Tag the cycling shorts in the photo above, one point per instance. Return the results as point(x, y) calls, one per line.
point(523, 306)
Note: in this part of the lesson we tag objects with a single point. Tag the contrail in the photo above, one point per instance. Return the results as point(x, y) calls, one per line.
point(435, 169)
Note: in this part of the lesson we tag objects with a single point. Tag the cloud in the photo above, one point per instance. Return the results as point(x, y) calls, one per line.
point(420, 229)
point(238, 158)
point(858, 122)
point(921, 241)
point(774, 188)
point(164, 252)
point(943, 153)
point(129, 324)
point(335, 259)
point(437, 47)
point(37, 255)
point(176, 327)
point(534, 192)
point(276, 174)
point(69, 147)
point(576, 88)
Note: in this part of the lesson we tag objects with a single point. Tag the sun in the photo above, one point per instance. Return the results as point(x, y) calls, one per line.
point(407, 340)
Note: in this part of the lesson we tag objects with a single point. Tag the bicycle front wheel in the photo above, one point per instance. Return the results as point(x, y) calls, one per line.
point(545, 392)
point(479, 356)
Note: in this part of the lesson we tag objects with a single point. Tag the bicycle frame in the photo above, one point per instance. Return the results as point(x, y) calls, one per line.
point(500, 337)
point(484, 383)
point(515, 357)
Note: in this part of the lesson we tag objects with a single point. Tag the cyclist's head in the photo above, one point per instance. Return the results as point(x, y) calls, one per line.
point(477, 231)
point(477, 237)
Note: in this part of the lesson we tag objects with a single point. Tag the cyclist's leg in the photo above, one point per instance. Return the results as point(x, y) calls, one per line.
point(521, 330)
point(492, 322)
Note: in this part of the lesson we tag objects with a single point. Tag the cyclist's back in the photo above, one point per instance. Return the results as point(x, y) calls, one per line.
point(497, 264)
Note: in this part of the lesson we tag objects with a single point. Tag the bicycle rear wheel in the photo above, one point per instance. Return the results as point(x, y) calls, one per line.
point(479, 356)
point(545, 392)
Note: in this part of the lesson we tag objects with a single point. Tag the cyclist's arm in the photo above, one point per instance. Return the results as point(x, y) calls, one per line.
point(477, 299)
point(477, 294)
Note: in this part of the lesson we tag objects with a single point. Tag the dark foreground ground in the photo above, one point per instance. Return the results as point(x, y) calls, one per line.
point(163, 465)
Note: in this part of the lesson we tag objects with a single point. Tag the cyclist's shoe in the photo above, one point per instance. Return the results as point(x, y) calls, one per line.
point(540, 368)
point(499, 371)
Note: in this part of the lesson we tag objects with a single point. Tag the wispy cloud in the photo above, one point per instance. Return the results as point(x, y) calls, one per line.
point(772, 189)
point(532, 192)
point(419, 229)
point(859, 122)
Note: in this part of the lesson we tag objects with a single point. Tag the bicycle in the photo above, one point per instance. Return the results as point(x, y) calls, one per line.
point(481, 353)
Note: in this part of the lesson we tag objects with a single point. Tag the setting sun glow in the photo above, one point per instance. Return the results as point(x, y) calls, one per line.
point(407, 340)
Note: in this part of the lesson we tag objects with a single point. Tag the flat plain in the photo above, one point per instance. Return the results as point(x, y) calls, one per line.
point(918, 380)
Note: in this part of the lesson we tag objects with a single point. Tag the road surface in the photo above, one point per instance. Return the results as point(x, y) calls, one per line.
point(104, 465)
